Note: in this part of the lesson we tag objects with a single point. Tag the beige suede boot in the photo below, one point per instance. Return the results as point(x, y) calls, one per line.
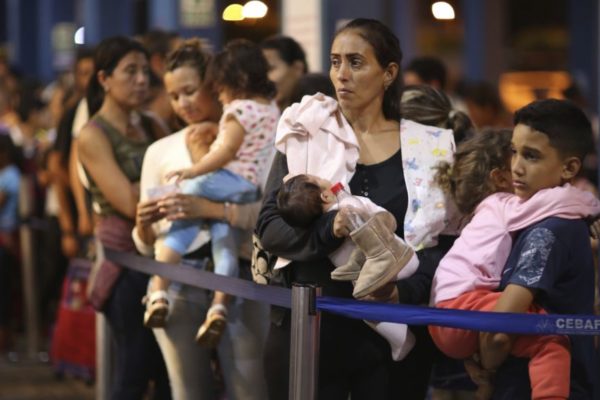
point(350, 270)
point(385, 255)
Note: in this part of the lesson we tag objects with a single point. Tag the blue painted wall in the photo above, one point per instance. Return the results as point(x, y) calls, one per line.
point(105, 18)
point(336, 10)
point(583, 52)
point(50, 13)
point(22, 35)
point(400, 16)
point(29, 25)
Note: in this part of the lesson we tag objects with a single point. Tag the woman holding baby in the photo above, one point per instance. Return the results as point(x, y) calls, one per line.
point(240, 349)
point(389, 167)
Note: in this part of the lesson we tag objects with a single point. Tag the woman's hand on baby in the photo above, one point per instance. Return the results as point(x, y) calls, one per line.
point(202, 133)
point(180, 174)
point(180, 206)
point(199, 138)
point(342, 226)
point(148, 212)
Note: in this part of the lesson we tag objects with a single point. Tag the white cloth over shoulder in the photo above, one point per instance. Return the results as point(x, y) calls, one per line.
point(317, 140)
point(430, 211)
point(320, 139)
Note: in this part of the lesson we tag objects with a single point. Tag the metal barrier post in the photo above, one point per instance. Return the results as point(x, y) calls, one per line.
point(32, 326)
point(30, 299)
point(304, 347)
point(103, 358)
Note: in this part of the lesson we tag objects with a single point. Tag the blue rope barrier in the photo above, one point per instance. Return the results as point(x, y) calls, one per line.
point(532, 324)
point(203, 279)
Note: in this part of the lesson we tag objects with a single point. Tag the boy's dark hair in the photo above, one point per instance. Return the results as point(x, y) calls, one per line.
point(242, 68)
point(429, 70)
point(288, 49)
point(299, 201)
point(565, 124)
point(468, 180)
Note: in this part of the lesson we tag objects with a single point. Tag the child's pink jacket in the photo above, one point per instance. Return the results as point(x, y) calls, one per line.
point(477, 258)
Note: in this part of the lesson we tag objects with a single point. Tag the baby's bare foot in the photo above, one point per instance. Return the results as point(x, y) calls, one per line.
point(494, 348)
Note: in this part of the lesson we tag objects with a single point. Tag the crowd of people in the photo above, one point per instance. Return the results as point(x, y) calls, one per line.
point(155, 146)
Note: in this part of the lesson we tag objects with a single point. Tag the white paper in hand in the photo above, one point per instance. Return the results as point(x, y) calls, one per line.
point(161, 191)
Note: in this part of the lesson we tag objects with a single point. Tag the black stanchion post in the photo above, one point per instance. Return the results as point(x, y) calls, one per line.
point(30, 298)
point(304, 346)
point(32, 326)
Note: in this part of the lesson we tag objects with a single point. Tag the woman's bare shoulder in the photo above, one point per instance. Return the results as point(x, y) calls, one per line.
point(91, 138)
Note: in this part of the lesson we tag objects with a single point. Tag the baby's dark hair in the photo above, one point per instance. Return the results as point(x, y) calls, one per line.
point(242, 68)
point(468, 180)
point(299, 201)
point(565, 124)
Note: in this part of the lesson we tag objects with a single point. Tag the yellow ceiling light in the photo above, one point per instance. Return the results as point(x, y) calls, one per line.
point(442, 10)
point(233, 12)
point(255, 9)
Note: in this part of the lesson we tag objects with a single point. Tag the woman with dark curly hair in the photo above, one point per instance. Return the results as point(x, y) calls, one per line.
point(240, 348)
